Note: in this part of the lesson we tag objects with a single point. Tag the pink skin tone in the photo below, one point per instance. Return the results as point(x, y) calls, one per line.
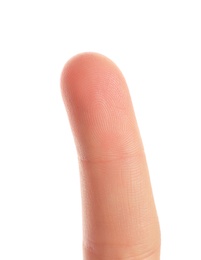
point(119, 215)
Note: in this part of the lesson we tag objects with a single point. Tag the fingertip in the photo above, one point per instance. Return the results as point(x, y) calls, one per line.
point(99, 106)
point(88, 69)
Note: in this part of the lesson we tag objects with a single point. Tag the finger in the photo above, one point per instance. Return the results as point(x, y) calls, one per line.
point(119, 215)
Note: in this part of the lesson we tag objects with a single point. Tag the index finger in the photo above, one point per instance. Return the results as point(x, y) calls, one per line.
point(119, 214)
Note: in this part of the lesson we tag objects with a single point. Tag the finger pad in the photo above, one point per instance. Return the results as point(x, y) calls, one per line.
point(99, 105)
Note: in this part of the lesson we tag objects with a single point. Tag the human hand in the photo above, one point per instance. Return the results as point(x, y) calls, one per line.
point(119, 214)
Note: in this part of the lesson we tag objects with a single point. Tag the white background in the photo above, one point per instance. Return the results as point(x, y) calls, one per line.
point(156, 44)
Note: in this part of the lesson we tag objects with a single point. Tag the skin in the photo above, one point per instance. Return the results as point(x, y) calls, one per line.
point(119, 215)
